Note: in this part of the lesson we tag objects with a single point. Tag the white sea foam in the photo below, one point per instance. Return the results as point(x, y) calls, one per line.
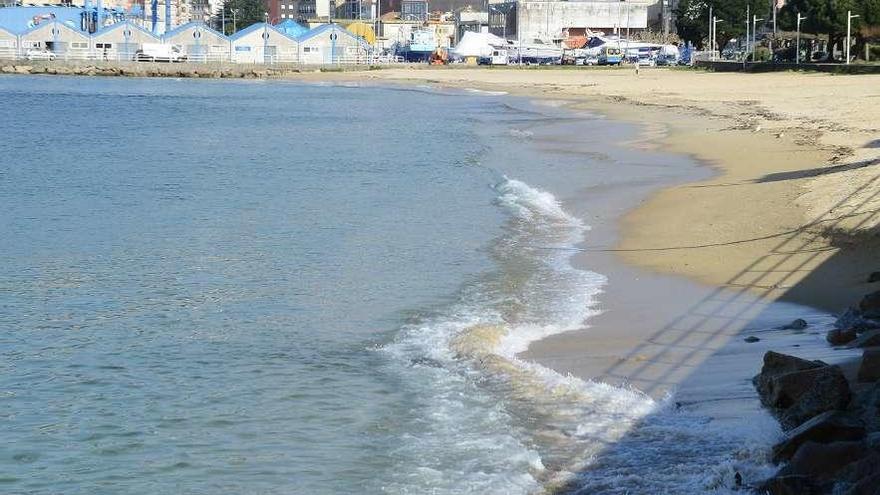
point(521, 133)
point(501, 424)
point(485, 92)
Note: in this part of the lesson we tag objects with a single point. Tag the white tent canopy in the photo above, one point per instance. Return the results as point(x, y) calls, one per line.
point(478, 45)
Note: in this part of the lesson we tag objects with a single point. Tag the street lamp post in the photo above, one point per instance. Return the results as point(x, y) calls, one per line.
point(266, 38)
point(626, 53)
point(711, 27)
point(747, 48)
point(617, 27)
point(715, 35)
point(797, 49)
point(755, 21)
point(849, 18)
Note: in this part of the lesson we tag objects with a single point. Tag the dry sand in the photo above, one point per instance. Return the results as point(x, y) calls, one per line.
point(790, 219)
point(798, 153)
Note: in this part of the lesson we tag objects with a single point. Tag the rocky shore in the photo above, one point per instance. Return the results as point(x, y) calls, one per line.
point(133, 69)
point(830, 413)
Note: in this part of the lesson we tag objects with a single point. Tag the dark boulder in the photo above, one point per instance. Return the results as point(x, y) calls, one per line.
point(823, 389)
point(870, 338)
point(823, 461)
point(869, 370)
point(874, 277)
point(865, 467)
point(801, 394)
point(776, 364)
point(789, 485)
point(838, 336)
point(831, 426)
point(853, 319)
point(870, 305)
point(869, 485)
point(798, 324)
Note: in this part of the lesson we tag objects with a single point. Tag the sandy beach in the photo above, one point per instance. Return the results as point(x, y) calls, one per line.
point(782, 226)
point(704, 215)
point(787, 221)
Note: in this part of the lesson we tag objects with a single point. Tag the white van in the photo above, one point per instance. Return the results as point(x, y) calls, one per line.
point(158, 52)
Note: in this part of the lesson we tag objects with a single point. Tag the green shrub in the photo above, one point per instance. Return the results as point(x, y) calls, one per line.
point(874, 53)
point(762, 54)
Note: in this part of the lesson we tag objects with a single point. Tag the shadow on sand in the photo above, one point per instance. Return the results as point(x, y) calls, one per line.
point(787, 272)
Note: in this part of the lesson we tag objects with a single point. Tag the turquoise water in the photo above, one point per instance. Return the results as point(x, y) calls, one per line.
point(197, 280)
point(250, 287)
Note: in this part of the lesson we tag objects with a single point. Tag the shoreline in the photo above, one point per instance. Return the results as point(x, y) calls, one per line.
point(782, 229)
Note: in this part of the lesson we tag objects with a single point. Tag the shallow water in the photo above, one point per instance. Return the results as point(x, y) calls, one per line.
point(250, 287)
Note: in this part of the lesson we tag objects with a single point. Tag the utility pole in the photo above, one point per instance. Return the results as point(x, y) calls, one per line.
point(665, 18)
point(715, 35)
point(746, 47)
point(711, 26)
point(797, 50)
point(774, 29)
point(849, 18)
point(265, 37)
point(755, 21)
point(625, 54)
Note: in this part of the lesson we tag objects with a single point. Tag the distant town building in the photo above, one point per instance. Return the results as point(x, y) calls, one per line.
point(414, 10)
point(556, 20)
point(297, 10)
point(469, 20)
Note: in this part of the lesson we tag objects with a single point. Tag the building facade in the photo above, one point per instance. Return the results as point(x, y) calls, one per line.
point(296, 10)
point(556, 20)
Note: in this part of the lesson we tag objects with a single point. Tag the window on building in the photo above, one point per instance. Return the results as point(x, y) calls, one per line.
point(414, 10)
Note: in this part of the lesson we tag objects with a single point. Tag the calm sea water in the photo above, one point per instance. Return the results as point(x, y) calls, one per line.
point(230, 287)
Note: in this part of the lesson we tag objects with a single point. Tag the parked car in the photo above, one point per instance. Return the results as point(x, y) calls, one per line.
point(158, 52)
point(39, 54)
point(591, 60)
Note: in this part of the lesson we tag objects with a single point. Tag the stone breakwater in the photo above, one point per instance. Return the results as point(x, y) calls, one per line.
point(831, 414)
point(135, 69)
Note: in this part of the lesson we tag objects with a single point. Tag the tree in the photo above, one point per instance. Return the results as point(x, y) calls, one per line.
point(823, 16)
point(247, 12)
point(692, 19)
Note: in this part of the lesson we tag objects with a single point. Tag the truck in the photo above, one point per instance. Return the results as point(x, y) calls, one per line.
point(159, 52)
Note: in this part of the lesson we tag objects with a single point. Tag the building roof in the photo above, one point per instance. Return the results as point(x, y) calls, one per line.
point(193, 24)
point(21, 19)
point(10, 33)
point(55, 23)
point(118, 25)
point(255, 27)
point(292, 28)
point(323, 28)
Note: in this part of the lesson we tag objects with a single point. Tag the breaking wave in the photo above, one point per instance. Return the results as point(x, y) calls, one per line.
point(495, 423)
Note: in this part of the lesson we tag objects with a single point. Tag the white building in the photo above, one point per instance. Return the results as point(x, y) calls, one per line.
point(57, 37)
point(331, 43)
point(263, 43)
point(121, 41)
point(199, 42)
point(556, 20)
point(8, 43)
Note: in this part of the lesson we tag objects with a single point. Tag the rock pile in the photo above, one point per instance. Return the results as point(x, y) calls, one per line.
point(832, 442)
point(150, 70)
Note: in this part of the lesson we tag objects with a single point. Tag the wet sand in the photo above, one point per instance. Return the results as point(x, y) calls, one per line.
point(785, 227)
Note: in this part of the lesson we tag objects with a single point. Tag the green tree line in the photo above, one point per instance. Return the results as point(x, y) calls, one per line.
point(823, 17)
